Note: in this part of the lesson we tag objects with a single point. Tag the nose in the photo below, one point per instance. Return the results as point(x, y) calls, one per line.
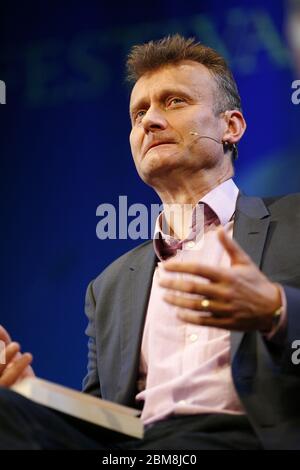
point(154, 120)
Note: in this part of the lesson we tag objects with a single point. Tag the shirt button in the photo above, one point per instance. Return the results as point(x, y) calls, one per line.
point(193, 337)
point(190, 244)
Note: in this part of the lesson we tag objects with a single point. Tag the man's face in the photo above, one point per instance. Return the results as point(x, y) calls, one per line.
point(165, 107)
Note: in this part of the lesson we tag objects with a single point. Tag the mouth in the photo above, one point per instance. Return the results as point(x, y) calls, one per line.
point(157, 144)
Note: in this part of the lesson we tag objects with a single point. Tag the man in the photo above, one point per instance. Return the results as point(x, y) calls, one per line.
point(196, 327)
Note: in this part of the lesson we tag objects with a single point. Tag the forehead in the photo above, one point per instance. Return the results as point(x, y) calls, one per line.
point(188, 76)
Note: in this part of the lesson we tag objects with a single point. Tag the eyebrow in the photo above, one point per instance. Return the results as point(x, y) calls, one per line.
point(163, 94)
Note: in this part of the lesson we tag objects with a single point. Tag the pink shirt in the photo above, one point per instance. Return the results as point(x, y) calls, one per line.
point(185, 368)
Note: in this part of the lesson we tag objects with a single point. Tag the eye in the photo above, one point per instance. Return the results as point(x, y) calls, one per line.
point(174, 101)
point(139, 115)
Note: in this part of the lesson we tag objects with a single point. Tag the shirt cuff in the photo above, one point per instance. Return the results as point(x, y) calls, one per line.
point(278, 331)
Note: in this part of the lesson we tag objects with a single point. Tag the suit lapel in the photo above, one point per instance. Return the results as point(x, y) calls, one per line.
point(138, 287)
point(250, 230)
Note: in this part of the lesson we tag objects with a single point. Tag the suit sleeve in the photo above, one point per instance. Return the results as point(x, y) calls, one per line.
point(91, 383)
point(291, 365)
point(284, 347)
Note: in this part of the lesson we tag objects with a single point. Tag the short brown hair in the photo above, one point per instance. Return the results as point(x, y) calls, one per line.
point(173, 49)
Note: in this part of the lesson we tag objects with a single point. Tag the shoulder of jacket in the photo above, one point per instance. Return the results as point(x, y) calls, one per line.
point(286, 202)
point(115, 268)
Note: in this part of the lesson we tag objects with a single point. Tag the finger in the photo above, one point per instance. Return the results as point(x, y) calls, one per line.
point(10, 353)
point(4, 335)
point(236, 253)
point(28, 372)
point(13, 373)
point(213, 291)
point(220, 308)
point(208, 272)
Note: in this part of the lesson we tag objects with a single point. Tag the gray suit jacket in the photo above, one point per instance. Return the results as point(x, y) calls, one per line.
point(266, 380)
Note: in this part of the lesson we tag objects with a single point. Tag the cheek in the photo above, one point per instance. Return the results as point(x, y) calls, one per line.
point(190, 124)
point(135, 143)
point(132, 140)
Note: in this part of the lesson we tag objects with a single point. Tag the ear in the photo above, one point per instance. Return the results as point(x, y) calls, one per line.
point(235, 126)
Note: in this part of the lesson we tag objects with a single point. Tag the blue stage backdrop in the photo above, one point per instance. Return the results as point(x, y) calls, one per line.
point(65, 150)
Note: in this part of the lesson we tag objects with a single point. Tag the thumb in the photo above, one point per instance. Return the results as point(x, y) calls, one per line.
point(236, 253)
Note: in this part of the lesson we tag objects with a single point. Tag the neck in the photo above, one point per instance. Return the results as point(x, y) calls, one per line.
point(180, 200)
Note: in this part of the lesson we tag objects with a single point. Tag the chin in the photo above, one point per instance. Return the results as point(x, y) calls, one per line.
point(150, 174)
point(156, 164)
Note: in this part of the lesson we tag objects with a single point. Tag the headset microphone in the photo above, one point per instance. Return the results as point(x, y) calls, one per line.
point(226, 145)
point(205, 137)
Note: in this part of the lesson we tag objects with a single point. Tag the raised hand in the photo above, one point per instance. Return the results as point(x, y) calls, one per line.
point(239, 297)
point(17, 365)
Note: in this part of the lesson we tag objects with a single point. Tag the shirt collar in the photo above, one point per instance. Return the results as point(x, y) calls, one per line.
point(221, 200)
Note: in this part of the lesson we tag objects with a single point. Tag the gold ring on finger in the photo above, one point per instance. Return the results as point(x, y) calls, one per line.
point(205, 303)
